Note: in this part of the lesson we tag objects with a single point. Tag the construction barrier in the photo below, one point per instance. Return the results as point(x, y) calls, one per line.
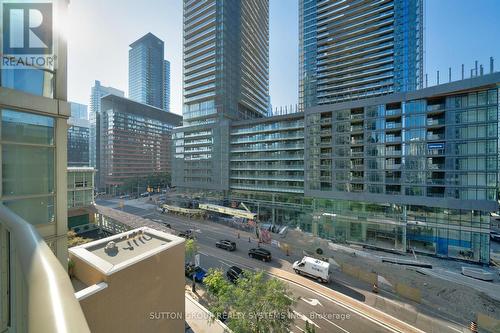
point(359, 273)
point(488, 323)
point(409, 292)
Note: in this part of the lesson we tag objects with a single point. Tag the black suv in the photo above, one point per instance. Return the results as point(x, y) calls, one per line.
point(234, 273)
point(226, 245)
point(188, 234)
point(259, 253)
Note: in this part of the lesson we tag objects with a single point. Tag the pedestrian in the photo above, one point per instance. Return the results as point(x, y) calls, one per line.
point(238, 235)
point(249, 239)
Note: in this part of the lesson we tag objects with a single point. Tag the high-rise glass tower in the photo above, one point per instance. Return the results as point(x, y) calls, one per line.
point(166, 85)
point(356, 49)
point(226, 59)
point(97, 92)
point(145, 71)
point(226, 78)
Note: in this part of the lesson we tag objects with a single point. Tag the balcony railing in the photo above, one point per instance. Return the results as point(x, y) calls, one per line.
point(46, 291)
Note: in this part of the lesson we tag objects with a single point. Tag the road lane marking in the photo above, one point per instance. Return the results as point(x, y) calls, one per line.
point(304, 318)
point(312, 301)
point(345, 306)
point(300, 329)
point(454, 329)
point(336, 325)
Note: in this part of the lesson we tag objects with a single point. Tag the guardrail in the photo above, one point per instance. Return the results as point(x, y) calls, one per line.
point(49, 296)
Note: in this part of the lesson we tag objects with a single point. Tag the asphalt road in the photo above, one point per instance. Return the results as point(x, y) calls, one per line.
point(324, 314)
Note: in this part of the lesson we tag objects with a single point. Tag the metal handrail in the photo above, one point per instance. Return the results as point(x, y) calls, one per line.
point(51, 302)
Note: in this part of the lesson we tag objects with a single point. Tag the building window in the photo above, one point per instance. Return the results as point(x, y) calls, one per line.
point(28, 165)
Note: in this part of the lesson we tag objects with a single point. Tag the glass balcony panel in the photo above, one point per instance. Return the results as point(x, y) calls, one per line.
point(27, 128)
point(32, 81)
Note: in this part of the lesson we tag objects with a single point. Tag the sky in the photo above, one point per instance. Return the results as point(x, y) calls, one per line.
point(100, 32)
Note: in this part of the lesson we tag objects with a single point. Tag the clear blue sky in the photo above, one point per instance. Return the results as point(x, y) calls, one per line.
point(457, 31)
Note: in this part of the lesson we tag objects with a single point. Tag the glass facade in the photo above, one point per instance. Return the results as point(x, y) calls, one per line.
point(78, 136)
point(358, 49)
point(80, 187)
point(226, 59)
point(166, 85)
point(133, 140)
point(98, 91)
point(28, 165)
point(428, 166)
point(226, 78)
point(147, 71)
point(268, 155)
point(33, 81)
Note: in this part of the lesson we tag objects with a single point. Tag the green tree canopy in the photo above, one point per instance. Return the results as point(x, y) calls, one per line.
point(255, 304)
point(191, 247)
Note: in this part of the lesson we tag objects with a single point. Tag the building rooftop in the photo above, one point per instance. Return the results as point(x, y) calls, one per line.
point(111, 254)
point(81, 169)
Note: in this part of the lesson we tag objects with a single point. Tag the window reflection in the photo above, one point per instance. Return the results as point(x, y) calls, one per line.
point(32, 81)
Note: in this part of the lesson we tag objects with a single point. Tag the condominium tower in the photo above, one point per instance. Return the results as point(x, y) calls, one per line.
point(226, 77)
point(355, 49)
point(146, 71)
point(226, 59)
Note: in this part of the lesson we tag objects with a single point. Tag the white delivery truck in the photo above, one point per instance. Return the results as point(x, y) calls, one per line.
point(314, 268)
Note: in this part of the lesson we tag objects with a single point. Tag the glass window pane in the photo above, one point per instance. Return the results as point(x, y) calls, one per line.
point(34, 210)
point(27, 127)
point(27, 170)
point(32, 81)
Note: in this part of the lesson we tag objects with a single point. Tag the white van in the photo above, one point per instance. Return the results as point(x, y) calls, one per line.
point(314, 268)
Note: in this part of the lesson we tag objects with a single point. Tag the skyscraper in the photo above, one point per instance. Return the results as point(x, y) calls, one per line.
point(97, 92)
point(356, 49)
point(226, 77)
point(166, 85)
point(226, 59)
point(78, 136)
point(146, 71)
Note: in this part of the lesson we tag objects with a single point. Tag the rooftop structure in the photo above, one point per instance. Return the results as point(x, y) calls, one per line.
point(104, 269)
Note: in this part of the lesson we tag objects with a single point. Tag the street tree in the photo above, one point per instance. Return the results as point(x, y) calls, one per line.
point(191, 247)
point(255, 304)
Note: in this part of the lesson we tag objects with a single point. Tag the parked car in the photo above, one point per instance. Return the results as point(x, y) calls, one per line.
point(234, 273)
point(261, 254)
point(226, 245)
point(199, 273)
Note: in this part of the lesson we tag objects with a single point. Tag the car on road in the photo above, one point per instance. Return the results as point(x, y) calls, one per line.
point(226, 245)
point(199, 273)
point(234, 273)
point(126, 196)
point(314, 268)
point(261, 254)
point(188, 234)
point(145, 194)
point(495, 235)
